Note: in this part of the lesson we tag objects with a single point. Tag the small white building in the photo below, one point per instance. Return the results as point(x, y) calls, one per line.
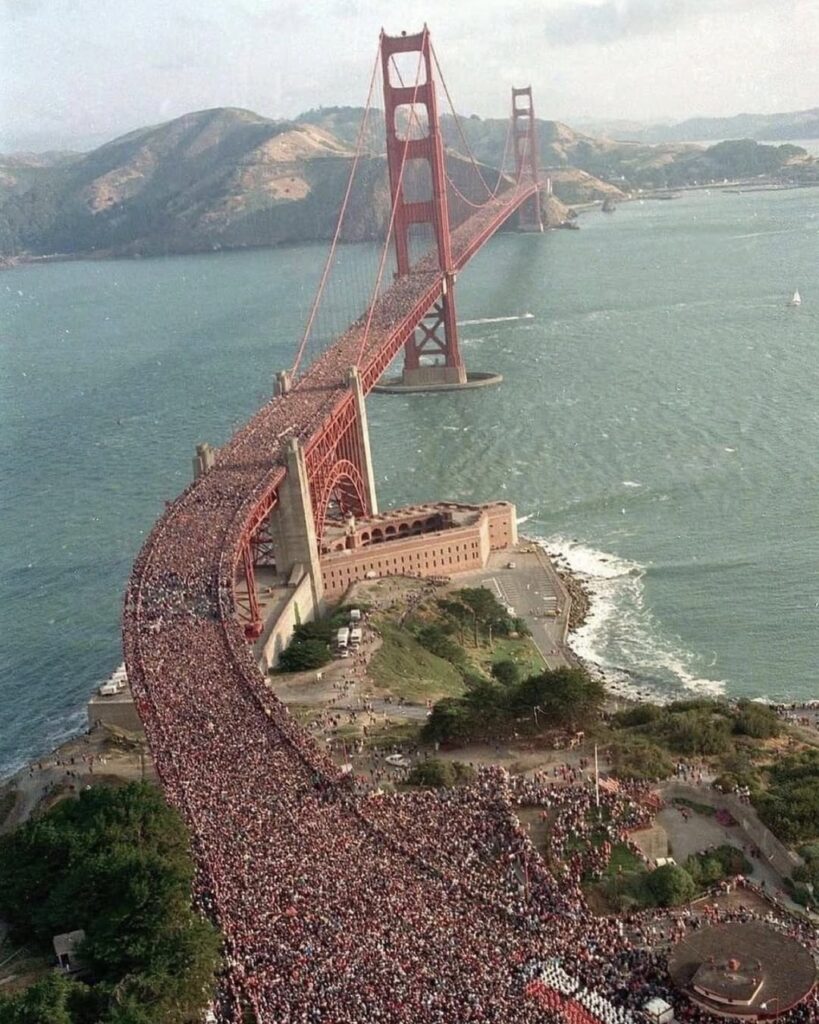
point(65, 949)
point(659, 1011)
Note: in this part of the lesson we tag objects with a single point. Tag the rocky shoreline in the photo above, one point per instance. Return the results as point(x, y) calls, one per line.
point(580, 597)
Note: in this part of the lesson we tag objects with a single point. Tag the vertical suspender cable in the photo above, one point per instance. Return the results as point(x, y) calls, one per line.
point(359, 145)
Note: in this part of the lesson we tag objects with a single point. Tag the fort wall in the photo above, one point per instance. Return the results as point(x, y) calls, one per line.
point(428, 540)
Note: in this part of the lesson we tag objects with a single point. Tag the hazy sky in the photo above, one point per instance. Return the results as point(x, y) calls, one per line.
point(77, 72)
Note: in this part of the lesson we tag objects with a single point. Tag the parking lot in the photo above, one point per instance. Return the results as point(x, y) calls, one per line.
point(533, 591)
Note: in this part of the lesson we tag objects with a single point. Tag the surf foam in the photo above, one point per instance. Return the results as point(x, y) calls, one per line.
point(636, 656)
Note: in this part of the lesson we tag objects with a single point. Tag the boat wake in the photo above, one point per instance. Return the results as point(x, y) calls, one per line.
point(621, 636)
point(496, 320)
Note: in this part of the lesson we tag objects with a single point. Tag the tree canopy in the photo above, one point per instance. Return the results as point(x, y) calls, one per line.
point(557, 698)
point(670, 885)
point(115, 864)
point(790, 806)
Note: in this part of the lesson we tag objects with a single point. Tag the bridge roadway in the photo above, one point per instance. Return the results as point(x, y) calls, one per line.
point(329, 911)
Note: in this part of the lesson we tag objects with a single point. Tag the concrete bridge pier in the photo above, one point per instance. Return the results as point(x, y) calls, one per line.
point(293, 531)
point(366, 467)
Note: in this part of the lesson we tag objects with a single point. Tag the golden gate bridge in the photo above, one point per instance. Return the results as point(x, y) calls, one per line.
point(271, 819)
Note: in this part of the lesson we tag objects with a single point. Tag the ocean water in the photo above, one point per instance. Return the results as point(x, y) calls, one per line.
point(658, 428)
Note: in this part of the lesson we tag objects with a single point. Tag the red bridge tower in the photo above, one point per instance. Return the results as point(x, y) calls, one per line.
point(525, 136)
point(437, 334)
point(432, 357)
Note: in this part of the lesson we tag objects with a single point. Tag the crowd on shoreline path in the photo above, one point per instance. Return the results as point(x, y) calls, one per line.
point(334, 907)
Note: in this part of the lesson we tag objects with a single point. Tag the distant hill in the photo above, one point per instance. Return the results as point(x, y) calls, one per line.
point(213, 178)
point(229, 178)
point(605, 163)
point(798, 124)
point(223, 178)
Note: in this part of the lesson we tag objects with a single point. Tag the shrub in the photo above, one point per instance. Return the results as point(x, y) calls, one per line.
point(756, 720)
point(433, 773)
point(638, 758)
point(696, 732)
point(670, 886)
point(714, 865)
point(638, 714)
point(790, 807)
point(436, 773)
point(304, 654)
point(506, 672)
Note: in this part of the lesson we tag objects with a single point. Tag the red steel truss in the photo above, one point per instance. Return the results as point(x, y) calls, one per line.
point(335, 466)
point(416, 312)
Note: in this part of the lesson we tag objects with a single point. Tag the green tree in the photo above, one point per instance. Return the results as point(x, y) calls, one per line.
point(52, 1000)
point(569, 697)
point(114, 863)
point(435, 639)
point(448, 722)
point(670, 885)
point(319, 629)
point(482, 602)
point(756, 720)
point(506, 672)
point(304, 654)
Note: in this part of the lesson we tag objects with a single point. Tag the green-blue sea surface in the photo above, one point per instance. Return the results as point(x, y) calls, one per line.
point(658, 425)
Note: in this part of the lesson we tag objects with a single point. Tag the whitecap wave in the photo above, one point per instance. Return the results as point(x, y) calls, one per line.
point(621, 636)
point(495, 320)
point(631, 483)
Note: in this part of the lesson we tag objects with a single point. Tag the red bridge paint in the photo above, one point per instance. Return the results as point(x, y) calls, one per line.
point(264, 805)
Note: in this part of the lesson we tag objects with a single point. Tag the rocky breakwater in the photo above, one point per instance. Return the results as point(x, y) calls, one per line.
point(581, 600)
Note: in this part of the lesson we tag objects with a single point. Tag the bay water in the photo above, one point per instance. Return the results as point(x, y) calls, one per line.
point(657, 427)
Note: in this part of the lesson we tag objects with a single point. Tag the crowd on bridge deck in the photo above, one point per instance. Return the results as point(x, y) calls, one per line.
point(426, 909)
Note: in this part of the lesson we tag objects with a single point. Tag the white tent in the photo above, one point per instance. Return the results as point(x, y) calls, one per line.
point(658, 1011)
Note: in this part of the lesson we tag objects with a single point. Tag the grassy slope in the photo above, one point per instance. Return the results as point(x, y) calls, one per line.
point(522, 651)
point(406, 669)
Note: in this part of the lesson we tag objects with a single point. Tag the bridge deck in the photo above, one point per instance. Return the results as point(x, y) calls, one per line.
point(293, 870)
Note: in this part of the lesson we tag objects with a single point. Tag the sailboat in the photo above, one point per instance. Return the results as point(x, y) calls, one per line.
point(796, 300)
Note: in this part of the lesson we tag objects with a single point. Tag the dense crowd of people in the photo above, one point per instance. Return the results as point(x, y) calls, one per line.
point(430, 909)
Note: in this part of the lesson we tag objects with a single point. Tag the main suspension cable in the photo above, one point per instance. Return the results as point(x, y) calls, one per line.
point(458, 122)
point(328, 264)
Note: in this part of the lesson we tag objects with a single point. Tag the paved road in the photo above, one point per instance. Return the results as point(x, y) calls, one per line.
point(532, 591)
